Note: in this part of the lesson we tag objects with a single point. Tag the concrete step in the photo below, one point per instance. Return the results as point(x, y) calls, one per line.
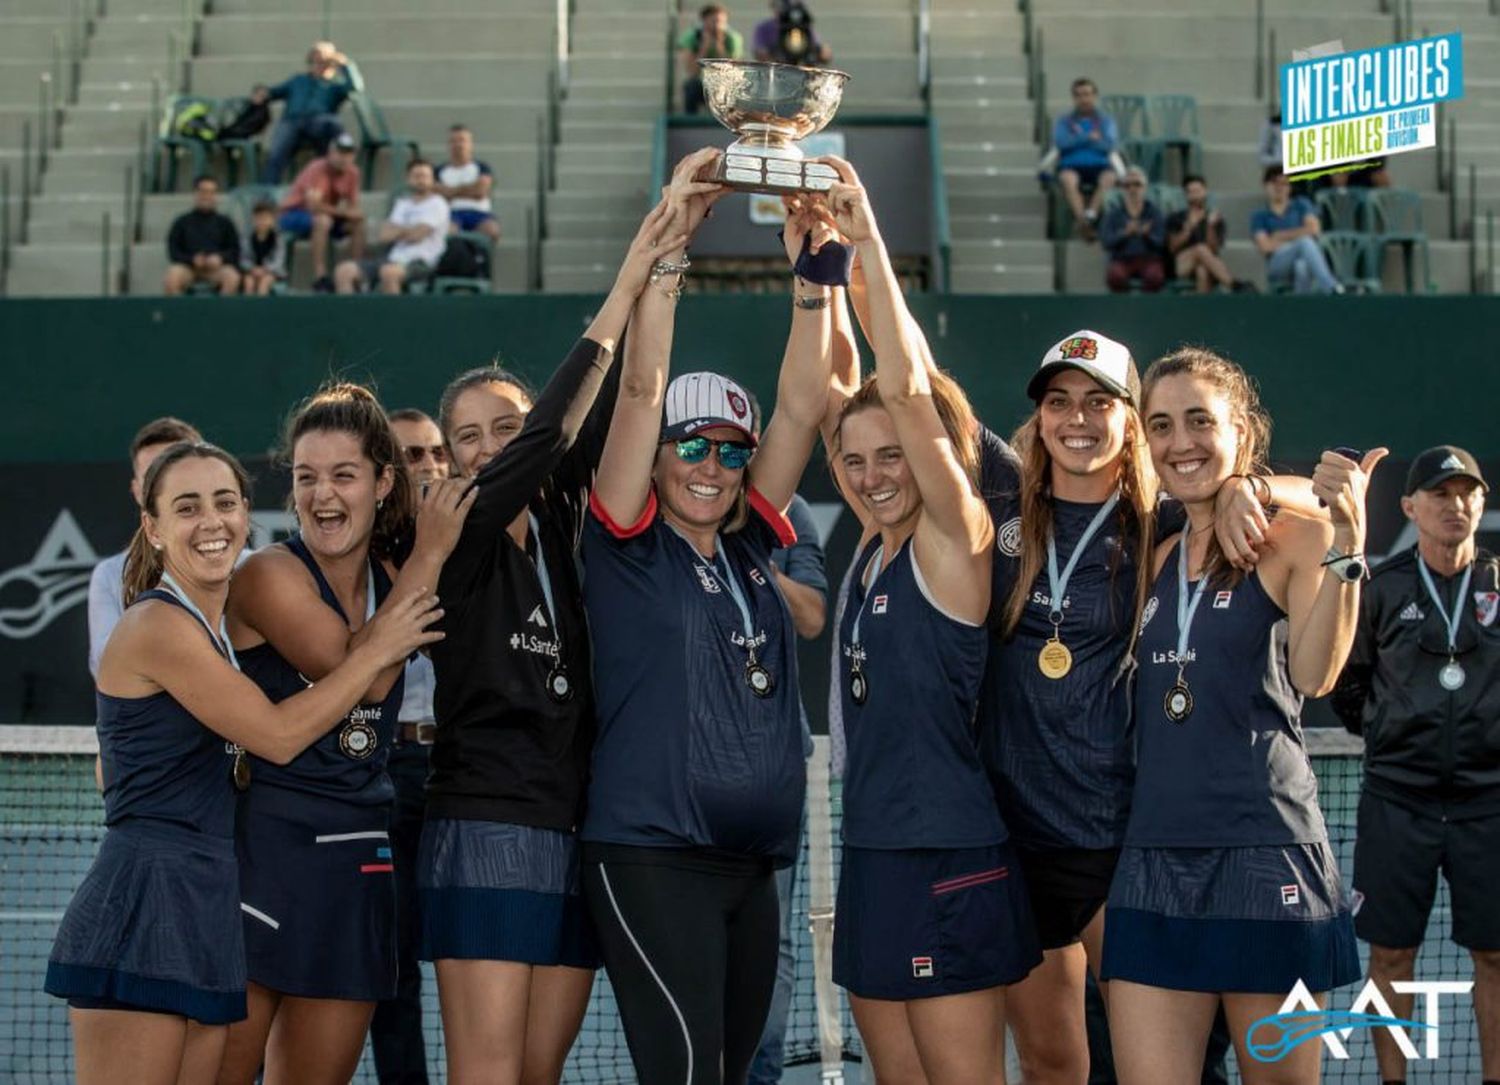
point(986, 179)
point(1002, 251)
point(58, 271)
point(970, 156)
point(1027, 204)
point(619, 228)
point(591, 279)
point(1001, 126)
point(1001, 279)
point(564, 202)
point(993, 225)
point(603, 177)
point(956, 66)
point(574, 156)
point(412, 32)
point(1142, 36)
point(19, 79)
point(114, 126)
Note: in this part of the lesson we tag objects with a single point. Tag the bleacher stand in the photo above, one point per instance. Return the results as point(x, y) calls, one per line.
point(416, 230)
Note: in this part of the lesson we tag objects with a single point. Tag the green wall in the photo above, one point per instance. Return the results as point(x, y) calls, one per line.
point(1406, 372)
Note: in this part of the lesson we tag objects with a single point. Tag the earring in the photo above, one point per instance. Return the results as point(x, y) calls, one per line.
point(379, 503)
point(156, 546)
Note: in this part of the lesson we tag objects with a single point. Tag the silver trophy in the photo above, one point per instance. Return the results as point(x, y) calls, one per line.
point(770, 107)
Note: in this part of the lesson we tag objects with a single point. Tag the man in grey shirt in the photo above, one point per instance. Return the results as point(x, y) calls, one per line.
point(106, 585)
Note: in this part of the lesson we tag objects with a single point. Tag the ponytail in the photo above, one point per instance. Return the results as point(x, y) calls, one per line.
point(143, 567)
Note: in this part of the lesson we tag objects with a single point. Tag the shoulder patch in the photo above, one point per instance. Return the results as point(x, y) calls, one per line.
point(1008, 538)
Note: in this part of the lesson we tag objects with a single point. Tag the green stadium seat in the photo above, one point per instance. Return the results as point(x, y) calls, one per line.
point(1173, 122)
point(1342, 209)
point(1394, 217)
point(1354, 259)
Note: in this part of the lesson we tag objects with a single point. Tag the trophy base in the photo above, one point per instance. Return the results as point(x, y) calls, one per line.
point(759, 173)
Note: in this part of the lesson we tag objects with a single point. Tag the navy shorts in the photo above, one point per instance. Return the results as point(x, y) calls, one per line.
point(492, 891)
point(298, 221)
point(467, 218)
point(1249, 919)
point(926, 922)
point(1398, 853)
point(318, 896)
point(155, 927)
point(1088, 176)
point(1067, 886)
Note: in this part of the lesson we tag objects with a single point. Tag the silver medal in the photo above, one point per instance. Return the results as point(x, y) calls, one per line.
point(1452, 676)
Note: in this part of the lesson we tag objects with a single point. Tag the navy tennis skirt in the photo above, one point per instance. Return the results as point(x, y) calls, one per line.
point(1251, 920)
point(493, 891)
point(318, 894)
point(155, 927)
point(921, 923)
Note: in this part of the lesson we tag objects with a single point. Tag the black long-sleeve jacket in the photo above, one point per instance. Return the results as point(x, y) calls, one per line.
point(1426, 746)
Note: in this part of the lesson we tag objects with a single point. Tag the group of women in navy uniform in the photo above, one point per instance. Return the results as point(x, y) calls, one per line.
point(1070, 668)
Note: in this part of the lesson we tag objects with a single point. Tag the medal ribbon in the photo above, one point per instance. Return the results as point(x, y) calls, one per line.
point(876, 562)
point(1185, 609)
point(540, 561)
point(1450, 620)
point(730, 583)
point(221, 642)
point(1057, 584)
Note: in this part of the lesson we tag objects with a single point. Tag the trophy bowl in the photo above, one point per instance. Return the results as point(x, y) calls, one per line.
point(769, 107)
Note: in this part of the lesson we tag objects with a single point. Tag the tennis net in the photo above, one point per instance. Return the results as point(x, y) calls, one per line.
point(51, 824)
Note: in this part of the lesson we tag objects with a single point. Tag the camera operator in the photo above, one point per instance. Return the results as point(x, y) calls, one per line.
point(712, 39)
point(787, 37)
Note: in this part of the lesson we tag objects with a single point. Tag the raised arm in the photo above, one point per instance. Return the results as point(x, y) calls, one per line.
point(802, 388)
point(165, 647)
point(954, 531)
point(508, 483)
point(1322, 608)
point(623, 485)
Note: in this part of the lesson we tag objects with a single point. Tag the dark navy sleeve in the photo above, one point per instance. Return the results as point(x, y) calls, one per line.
point(1171, 518)
point(803, 561)
point(509, 482)
point(573, 478)
point(999, 466)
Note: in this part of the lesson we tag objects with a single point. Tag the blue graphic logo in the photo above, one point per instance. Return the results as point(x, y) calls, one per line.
point(1289, 1031)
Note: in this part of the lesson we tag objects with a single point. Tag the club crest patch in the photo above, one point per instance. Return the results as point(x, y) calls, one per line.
point(1080, 346)
point(1486, 606)
point(1008, 538)
point(737, 404)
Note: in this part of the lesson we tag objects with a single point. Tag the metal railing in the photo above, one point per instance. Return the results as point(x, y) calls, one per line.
point(1260, 50)
point(104, 255)
point(1273, 75)
point(26, 180)
point(942, 239)
point(1038, 91)
point(924, 52)
point(4, 230)
point(127, 229)
point(562, 39)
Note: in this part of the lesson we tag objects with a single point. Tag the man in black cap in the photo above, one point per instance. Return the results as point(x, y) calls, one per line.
point(1423, 686)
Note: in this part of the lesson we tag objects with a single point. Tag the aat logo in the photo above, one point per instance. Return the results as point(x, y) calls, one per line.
point(1301, 1019)
point(53, 581)
point(1342, 110)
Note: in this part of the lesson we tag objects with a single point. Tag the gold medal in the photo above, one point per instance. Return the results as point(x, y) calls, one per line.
point(241, 771)
point(1054, 660)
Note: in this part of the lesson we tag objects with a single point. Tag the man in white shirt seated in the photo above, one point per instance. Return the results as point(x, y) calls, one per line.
point(417, 232)
point(465, 182)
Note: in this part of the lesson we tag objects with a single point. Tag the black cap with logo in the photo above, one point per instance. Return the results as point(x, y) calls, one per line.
point(1437, 465)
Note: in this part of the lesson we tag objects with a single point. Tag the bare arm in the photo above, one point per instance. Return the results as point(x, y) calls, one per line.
point(809, 608)
point(954, 532)
point(622, 487)
point(165, 648)
point(1322, 608)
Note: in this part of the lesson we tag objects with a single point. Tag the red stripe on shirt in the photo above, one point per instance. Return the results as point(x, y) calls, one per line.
point(785, 533)
point(970, 880)
point(601, 514)
point(377, 868)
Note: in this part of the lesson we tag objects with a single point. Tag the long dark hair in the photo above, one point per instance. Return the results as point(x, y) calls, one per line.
point(1245, 407)
point(345, 407)
point(143, 562)
point(474, 378)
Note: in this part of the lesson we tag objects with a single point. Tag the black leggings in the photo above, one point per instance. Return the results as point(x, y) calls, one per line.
point(690, 948)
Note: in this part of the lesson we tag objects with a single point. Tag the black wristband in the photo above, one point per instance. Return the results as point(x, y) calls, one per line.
point(830, 266)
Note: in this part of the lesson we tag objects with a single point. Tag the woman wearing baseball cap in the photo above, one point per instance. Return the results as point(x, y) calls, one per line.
point(1226, 891)
point(697, 781)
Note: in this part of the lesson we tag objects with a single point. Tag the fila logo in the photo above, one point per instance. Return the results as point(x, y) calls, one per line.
point(1221, 600)
point(1452, 463)
point(1412, 613)
point(921, 968)
point(710, 584)
point(756, 576)
point(536, 617)
point(1290, 895)
point(877, 606)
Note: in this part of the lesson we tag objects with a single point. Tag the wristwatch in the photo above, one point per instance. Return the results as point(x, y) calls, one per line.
point(1350, 568)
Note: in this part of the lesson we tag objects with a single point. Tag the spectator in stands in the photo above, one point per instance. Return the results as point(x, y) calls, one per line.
point(1134, 234)
point(1086, 142)
point(263, 260)
point(1195, 237)
point(712, 39)
point(1269, 152)
point(417, 231)
point(465, 182)
point(323, 203)
point(313, 98)
point(1286, 232)
point(787, 37)
point(203, 245)
point(106, 585)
